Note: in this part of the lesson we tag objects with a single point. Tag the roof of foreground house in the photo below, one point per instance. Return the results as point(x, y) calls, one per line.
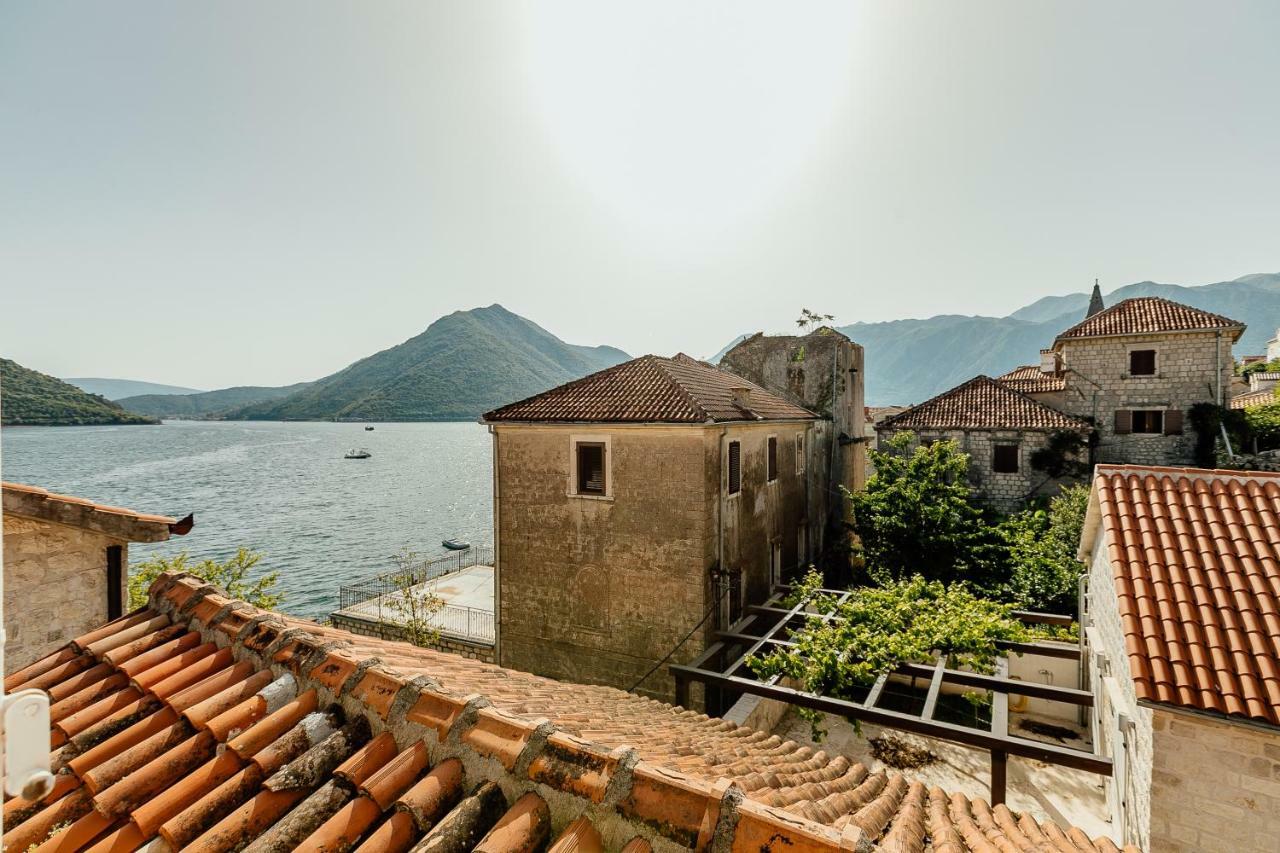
point(127, 524)
point(213, 725)
point(1195, 555)
point(653, 389)
point(983, 403)
point(1143, 315)
point(1249, 399)
point(1030, 379)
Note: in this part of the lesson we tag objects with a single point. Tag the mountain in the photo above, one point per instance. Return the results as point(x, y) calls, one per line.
point(460, 367)
point(118, 389)
point(33, 398)
point(207, 404)
point(909, 361)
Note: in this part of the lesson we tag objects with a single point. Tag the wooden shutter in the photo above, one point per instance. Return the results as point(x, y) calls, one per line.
point(1124, 422)
point(1142, 362)
point(773, 458)
point(735, 467)
point(1173, 422)
point(1004, 459)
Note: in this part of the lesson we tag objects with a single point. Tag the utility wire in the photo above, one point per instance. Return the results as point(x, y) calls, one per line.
point(685, 639)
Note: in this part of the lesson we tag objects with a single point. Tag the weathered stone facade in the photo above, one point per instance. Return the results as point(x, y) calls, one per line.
point(599, 589)
point(55, 585)
point(1191, 368)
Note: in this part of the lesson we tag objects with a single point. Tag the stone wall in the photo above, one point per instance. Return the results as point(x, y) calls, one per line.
point(55, 585)
point(1188, 370)
point(1215, 785)
point(1005, 492)
point(386, 631)
point(599, 589)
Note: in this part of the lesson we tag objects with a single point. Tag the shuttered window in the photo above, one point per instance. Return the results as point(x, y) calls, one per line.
point(735, 467)
point(1142, 362)
point(1149, 421)
point(1173, 422)
point(1124, 422)
point(773, 458)
point(1004, 459)
point(591, 468)
point(799, 453)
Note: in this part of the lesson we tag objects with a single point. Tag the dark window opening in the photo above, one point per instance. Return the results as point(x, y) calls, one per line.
point(1142, 362)
point(1004, 459)
point(1148, 421)
point(115, 582)
point(735, 467)
point(591, 469)
point(773, 458)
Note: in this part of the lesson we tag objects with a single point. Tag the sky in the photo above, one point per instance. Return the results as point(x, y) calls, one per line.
point(212, 194)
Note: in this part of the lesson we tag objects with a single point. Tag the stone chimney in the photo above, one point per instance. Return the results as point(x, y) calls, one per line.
point(742, 398)
point(1095, 301)
point(1049, 363)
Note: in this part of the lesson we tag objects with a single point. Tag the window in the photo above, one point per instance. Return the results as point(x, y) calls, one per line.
point(1004, 459)
point(735, 467)
point(799, 453)
point(591, 468)
point(1148, 421)
point(773, 458)
point(1142, 362)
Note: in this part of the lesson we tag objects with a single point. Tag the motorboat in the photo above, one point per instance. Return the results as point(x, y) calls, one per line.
point(456, 544)
point(368, 429)
point(357, 453)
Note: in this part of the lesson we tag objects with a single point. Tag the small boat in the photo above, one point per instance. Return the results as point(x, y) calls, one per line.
point(357, 453)
point(368, 429)
point(456, 544)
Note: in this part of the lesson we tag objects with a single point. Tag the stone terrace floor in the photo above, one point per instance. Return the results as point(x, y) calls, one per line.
point(468, 598)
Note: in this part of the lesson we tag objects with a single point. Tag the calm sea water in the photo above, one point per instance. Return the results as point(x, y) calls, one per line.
point(282, 489)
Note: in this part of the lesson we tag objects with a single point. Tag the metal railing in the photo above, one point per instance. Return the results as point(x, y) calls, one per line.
point(352, 594)
point(467, 623)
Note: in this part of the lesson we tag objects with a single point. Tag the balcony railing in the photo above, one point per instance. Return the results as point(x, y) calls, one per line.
point(352, 594)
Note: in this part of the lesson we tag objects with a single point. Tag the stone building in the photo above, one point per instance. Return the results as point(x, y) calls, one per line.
point(999, 428)
point(1181, 643)
point(66, 565)
point(635, 504)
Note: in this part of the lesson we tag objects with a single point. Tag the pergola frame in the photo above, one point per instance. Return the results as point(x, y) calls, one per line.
point(777, 622)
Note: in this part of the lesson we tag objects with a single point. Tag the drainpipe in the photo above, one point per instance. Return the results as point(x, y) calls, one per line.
point(497, 560)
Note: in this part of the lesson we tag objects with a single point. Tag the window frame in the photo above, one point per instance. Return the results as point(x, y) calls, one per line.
point(800, 452)
point(771, 459)
point(997, 446)
point(730, 490)
point(1147, 415)
point(1155, 360)
point(606, 444)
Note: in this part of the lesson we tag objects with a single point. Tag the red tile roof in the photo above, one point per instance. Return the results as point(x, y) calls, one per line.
point(1250, 399)
point(1149, 314)
point(652, 389)
point(983, 403)
point(1195, 555)
point(208, 723)
point(34, 501)
point(1030, 379)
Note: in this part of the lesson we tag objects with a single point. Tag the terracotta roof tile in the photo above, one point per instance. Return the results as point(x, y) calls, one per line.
point(1147, 315)
point(1195, 556)
point(983, 403)
point(652, 389)
point(1030, 379)
point(256, 750)
point(1250, 399)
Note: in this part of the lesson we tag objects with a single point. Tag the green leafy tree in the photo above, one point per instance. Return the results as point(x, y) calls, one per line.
point(1064, 456)
point(1264, 426)
point(878, 628)
point(917, 517)
point(235, 575)
point(1042, 543)
point(413, 605)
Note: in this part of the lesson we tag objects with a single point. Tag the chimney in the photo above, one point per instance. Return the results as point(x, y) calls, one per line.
point(1049, 363)
point(742, 398)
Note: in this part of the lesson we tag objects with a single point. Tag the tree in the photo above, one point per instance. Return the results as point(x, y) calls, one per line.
point(1060, 458)
point(808, 319)
point(878, 628)
point(413, 605)
point(232, 575)
point(916, 517)
point(1042, 543)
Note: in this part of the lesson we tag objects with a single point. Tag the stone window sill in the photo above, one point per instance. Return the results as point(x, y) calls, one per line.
point(591, 497)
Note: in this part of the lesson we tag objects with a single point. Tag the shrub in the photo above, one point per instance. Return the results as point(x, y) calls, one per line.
point(232, 575)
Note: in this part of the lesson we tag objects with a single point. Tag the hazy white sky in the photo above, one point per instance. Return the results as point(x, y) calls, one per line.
point(259, 193)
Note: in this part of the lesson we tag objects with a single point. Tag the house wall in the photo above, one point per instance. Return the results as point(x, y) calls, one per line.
point(1188, 369)
point(1005, 492)
point(55, 585)
point(598, 590)
point(1215, 785)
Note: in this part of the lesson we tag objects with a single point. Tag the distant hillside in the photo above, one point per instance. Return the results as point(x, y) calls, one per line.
point(460, 367)
point(118, 389)
point(207, 404)
point(909, 361)
point(28, 397)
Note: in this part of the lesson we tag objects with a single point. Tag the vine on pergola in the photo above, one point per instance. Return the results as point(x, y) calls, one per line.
point(876, 629)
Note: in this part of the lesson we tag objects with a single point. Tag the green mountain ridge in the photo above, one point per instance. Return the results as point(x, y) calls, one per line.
point(37, 399)
point(118, 389)
point(207, 404)
point(463, 365)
